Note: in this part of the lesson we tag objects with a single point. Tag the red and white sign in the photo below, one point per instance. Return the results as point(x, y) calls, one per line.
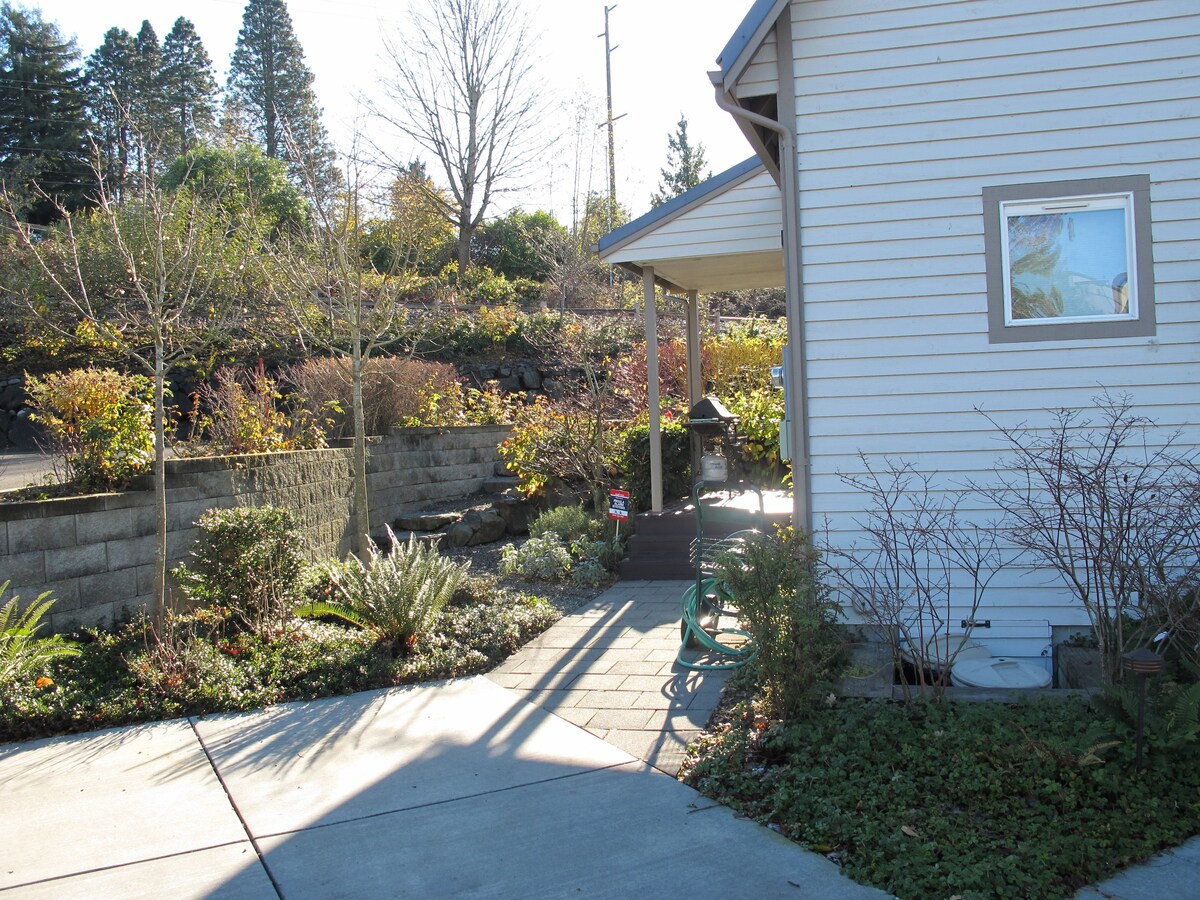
point(618, 505)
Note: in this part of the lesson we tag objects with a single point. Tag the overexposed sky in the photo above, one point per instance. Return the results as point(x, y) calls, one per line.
point(663, 50)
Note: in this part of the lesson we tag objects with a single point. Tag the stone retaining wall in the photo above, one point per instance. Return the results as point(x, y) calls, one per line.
point(96, 553)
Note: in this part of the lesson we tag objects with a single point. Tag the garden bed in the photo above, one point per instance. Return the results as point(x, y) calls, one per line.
point(970, 800)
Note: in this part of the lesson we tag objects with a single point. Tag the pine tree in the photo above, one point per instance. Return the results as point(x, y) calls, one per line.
point(189, 90)
point(146, 109)
point(685, 166)
point(110, 85)
point(42, 124)
point(271, 85)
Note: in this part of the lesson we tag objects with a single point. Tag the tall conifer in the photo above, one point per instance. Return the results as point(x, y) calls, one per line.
point(42, 124)
point(272, 87)
point(189, 90)
point(110, 85)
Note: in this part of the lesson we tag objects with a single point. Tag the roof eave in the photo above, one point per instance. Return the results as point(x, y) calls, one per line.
point(740, 48)
point(660, 215)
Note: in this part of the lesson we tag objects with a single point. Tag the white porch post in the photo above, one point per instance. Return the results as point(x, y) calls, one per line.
point(695, 384)
point(656, 479)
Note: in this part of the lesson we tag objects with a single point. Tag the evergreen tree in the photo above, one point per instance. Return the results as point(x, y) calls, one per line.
point(42, 124)
point(272, 87)
point(189, 90)
point(110, 85)
point(685, 166)
point(146, 108)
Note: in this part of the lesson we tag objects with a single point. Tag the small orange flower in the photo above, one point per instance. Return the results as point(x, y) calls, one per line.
point(43, 683)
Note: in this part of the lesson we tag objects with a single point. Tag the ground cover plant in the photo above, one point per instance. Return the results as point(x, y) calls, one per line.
point(195, 664)
point(965, 800)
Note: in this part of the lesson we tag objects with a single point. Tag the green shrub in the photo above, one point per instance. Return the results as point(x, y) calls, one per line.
point(790, 615)
point(567, 523)
point(544, 558)
point(99, 421)
point(760, 414)
point(247, 565)
point(741, 357)
point(22, 652)
point(633, 462)
point(395, 596)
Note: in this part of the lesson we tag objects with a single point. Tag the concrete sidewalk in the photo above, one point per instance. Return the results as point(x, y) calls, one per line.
point(445, 790)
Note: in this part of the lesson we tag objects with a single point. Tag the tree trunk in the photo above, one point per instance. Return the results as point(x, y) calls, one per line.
point(362, 516)
point(158, 602)
point(465, 233)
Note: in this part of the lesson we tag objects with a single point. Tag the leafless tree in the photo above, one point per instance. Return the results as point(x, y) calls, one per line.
point(339, 304)
point(461, 81)
point(176, 251)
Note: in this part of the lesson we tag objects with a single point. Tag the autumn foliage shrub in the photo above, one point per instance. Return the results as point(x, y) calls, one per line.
point(741, 357)
point(99, 421)
point(245, 413)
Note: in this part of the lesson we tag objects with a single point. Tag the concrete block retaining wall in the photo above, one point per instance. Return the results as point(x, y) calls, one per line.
point(96, 553)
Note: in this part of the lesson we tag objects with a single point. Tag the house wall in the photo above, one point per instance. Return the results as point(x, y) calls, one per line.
point(762, 74)
point(96, 553)
point(904, 114)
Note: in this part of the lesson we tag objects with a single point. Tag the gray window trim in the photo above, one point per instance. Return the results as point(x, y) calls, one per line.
point(1145, 323)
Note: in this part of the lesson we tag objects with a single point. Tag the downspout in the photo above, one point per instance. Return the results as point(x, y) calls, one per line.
point(796, 389)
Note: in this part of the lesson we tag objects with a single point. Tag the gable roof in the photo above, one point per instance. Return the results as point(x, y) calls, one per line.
point(749, 35)
point(723, 234)
point(660, 215)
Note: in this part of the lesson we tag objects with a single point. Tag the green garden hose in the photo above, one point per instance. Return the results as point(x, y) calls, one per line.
point(697, 609)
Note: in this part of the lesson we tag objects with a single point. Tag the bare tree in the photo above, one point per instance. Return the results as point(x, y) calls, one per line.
point(340, 304)
point(175, 250)
point(463, 90)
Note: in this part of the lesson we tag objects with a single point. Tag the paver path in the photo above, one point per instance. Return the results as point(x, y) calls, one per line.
point(610, 668)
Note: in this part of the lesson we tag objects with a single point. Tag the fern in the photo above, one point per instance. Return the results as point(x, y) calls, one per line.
point(22, 652)
point(395, 596)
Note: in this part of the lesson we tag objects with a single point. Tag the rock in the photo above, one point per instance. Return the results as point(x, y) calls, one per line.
point(516, 513)
point(23, 433)
point(424, 521)
point(509, 384)
point(552, 387)
point(501, 470)
point(530, 378)
point(487, 526)
point(498, 484)
point(422, 537)
point(459, 534)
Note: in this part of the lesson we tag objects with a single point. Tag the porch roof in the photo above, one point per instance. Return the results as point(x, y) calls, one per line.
point(723, 234)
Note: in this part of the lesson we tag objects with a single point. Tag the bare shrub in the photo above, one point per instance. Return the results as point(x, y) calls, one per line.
point(919, 564)
point(1113, 508)
point(395, 391)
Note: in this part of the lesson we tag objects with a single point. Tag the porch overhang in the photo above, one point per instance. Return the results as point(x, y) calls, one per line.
point(722, 235)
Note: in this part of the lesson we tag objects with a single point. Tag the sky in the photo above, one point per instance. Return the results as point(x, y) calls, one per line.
point(662, 52)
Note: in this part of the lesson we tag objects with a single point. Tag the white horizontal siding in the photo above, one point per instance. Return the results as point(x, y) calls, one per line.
point(761, 76)
point(905, 112)
point(742, 219)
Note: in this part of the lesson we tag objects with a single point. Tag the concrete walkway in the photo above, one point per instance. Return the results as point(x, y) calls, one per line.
point(455, 789)
point(610, 668)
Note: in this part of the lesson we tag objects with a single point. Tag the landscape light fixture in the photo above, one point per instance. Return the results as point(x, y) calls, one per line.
point(1144, 664)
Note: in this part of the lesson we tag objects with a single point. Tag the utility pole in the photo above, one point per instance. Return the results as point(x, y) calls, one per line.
point(612, 165)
